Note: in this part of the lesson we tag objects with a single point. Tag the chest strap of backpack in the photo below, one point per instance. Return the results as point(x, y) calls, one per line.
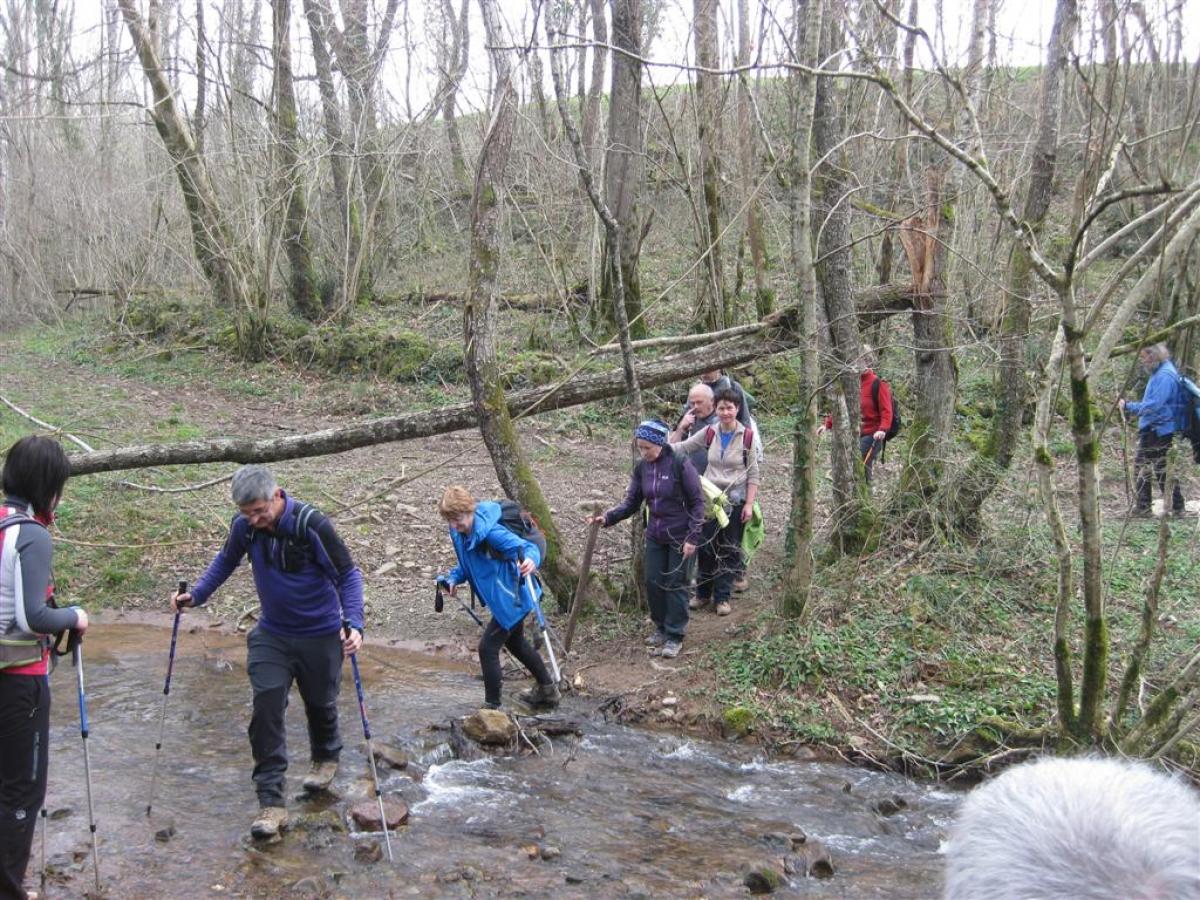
point(710, 434)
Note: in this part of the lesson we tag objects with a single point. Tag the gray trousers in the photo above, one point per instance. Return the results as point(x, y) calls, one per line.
point(273, 663)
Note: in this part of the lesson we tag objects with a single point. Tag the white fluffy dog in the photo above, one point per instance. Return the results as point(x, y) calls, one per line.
point(1084, 829)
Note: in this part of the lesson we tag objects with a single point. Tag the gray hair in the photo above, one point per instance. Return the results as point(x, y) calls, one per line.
point(1104, 829)
point(251, 484)
point(1159, 351)
point(702, 387)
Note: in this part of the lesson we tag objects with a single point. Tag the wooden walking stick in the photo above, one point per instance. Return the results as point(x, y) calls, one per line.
point(581, 587)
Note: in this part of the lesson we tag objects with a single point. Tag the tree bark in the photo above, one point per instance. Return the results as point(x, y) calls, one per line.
point(623, 164)
point(748, 164)
point(969, 490)
point(483, 372)
point(780, 338)
point(305, 299)
point(219, 257)
point(851, 522)
point(708, 134)
point(793, 599)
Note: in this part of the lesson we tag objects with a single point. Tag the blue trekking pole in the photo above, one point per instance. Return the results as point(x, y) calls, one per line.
point(362, 712)
point(541, 619)
point(76, 645)
point(162, 722)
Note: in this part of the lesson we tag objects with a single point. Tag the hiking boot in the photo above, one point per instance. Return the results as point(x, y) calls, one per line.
point(320, 775)
point(271, 820)
point(541, 695)
point(723, 608)
point(1141, 512)
point(740, 585)
point(656, 640)
point(699, 602)
point(670, 649)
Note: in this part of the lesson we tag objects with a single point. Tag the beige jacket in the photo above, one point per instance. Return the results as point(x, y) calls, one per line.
point(725, 468)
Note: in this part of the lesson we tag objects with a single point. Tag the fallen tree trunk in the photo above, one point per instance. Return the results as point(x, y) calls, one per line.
point(778, 338)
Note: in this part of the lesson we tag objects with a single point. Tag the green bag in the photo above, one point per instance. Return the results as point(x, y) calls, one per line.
point(753, 533)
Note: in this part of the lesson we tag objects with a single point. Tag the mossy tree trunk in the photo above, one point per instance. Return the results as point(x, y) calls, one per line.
point(344, 195)
point(851, 516)
point(298, 246)
point(969, 490)
point(220, 258)
point(483, 372)
point(623, 169)
point(708, 138)
point(793, 598)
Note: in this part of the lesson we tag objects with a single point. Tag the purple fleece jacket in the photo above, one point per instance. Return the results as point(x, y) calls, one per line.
point(310, 600)
point(675, 516)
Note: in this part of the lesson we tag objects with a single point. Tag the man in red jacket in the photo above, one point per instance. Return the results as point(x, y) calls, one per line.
point(876, 418)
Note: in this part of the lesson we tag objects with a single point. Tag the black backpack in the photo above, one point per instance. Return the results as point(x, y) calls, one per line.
point(517, 519)
point(896, 423)
point(1188, 414)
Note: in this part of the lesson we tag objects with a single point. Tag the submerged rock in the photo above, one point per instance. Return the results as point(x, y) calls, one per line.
point(366, 814)
point(368, 851)
point(812, 860)
point(762, 878)
point(889, 806)
point(490, 727)
point(325, 820)
point(165, 831)
point(390, 756)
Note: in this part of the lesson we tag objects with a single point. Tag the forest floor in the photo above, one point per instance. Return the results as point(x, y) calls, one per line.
point(904, 655)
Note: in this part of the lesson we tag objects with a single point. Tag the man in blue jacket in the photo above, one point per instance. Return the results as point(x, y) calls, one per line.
point(488, 560)
point(307, 586)
point(1157, 415)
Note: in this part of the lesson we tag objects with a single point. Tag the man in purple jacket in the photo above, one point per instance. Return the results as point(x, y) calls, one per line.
point(307, 586)
point(669, 486)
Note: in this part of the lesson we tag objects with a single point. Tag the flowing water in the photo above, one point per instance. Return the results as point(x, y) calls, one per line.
point(633, 813)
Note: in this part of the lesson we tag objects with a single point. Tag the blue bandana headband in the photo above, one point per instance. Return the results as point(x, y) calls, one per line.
point(652, 432)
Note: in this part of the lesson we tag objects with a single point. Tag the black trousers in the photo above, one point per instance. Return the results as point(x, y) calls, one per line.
point(666, 588)
point(24, 746)
point(495, 637)
point(720, 557)
point(273, 663)
point(1151, 462)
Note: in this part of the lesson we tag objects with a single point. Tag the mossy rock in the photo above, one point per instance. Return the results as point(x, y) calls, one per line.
point(774, 383)
point(530, 369)
point(738, 720)
point(365, 349)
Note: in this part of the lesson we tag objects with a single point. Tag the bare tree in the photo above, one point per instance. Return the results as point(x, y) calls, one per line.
point(219, 256)
point(708, 128)
point(623, 165)
point(291, 187)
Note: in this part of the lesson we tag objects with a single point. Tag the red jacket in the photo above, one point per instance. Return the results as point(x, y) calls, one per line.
point(873, 419)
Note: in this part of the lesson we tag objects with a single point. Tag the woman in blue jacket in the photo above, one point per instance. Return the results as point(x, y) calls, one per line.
point(487, 560)
point(1157, 418)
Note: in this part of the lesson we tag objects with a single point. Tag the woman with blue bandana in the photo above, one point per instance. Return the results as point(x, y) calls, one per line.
point(667, 483)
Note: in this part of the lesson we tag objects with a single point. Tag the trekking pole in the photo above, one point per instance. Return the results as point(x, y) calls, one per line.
point(162, 722)
point(541, 619)
point(362, 712)
point(43, 876)
point(76, 645)
point(439, 602)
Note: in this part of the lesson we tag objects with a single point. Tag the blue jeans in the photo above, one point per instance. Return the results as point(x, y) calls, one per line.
point(666, 588)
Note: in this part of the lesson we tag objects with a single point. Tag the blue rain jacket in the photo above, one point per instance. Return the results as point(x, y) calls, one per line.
point(1158, 410)
point(494, 580)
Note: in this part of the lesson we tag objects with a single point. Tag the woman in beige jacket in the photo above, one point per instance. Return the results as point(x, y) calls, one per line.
point(733, 467)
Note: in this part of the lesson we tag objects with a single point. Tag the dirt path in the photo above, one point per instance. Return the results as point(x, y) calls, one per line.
point(383, 500)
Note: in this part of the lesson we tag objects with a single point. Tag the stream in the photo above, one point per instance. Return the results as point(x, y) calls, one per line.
point(632, 813)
